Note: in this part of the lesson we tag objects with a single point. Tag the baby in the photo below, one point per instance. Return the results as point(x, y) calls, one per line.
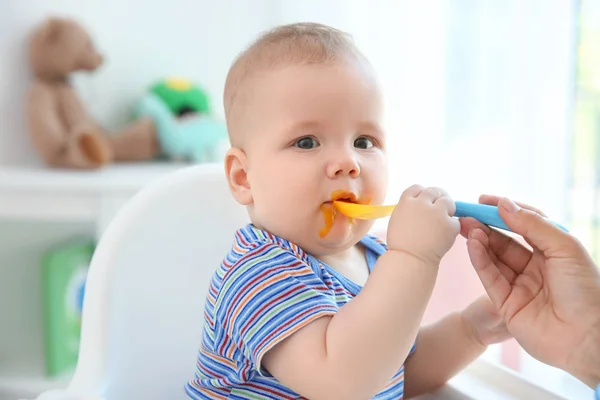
point(307, 304)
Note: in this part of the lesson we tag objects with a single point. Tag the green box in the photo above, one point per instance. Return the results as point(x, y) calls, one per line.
point(64, 272)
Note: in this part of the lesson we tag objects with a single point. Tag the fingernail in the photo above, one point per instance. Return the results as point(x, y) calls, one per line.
point(472, 232)
point(509, 205)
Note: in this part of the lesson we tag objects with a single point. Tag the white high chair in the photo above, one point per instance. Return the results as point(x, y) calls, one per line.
point(144, 303)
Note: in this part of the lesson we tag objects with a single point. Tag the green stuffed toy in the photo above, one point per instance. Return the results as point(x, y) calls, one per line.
point(182, 97)
point(182, 115)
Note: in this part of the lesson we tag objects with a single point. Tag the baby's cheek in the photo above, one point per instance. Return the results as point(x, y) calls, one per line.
point(378, 189)
point(376, 172)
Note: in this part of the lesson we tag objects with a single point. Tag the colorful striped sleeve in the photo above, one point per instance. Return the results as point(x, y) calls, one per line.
point(268, 295)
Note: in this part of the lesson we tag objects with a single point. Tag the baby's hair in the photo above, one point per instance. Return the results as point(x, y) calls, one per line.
point(297, 43)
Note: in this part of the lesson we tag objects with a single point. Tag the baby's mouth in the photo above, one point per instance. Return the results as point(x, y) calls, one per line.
point(343, 195)
point(329, 211)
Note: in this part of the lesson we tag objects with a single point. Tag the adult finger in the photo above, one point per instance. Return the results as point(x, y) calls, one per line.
point(536, 229)
point(494, 200)
point(506, 249)
point(494, 282)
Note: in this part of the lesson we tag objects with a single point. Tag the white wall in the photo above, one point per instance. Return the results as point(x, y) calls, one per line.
point(142, 41)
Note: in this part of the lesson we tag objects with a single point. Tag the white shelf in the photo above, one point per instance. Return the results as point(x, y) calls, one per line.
point(25, 378)
point(115, 177)
point(38, 193)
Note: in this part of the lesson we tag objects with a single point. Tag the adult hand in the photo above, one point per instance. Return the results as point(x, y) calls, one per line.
point(549, 295)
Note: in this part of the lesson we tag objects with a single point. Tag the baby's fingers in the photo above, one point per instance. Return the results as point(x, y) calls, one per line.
point(412, 191)
point(432, 194)
point(447, 204)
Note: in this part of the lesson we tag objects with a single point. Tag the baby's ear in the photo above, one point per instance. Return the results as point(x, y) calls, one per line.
point(237, 176)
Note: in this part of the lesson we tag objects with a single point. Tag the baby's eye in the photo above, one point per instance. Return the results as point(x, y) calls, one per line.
point(306, 143)
point(363, 143)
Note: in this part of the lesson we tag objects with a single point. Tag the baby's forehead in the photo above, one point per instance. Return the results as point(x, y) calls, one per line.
point(293, 44)
point(282, 76)
point(261, 65)
point(302, 44)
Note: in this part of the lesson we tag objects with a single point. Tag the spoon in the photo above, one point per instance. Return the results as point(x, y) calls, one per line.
point(484, 213)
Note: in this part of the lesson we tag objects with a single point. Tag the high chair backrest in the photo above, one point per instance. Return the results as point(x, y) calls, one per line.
point(144, 303)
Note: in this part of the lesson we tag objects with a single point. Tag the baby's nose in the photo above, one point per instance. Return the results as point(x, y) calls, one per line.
point(344, 166)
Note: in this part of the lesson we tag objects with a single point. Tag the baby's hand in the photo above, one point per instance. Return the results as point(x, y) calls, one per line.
point(484, 322)
point(422, 224)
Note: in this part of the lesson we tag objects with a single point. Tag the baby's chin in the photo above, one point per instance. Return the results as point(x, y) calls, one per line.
point(341, 237)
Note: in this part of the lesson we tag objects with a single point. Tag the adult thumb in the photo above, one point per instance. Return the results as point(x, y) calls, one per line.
point(539, 232)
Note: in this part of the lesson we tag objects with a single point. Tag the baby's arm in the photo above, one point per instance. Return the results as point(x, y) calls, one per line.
point(355, 353)
point(443, 349)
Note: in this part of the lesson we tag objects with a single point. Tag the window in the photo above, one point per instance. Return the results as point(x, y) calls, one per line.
point(584, 200)
point(480, 99)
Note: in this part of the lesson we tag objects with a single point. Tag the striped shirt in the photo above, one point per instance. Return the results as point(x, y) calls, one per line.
point(266, 289)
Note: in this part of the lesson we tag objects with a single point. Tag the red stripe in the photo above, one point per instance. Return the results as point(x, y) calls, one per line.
point(209, 319)
point(204, 369)
point(226, 343)
point(223, 345)
point(241, 239)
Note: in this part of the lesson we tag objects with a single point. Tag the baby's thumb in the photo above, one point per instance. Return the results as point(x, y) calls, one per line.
point(540, 232)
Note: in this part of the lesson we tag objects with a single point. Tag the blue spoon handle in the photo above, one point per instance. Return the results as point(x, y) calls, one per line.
point(486, 214)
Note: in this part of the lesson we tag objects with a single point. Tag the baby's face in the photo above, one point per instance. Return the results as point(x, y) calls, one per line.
point(314, 132)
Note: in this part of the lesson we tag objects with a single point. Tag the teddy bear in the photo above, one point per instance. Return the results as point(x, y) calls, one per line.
point(61, 130)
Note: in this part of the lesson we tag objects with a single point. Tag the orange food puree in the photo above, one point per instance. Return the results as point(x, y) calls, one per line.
point(329, 212)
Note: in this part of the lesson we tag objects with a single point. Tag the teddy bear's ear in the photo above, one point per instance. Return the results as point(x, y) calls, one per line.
point(51, 30)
